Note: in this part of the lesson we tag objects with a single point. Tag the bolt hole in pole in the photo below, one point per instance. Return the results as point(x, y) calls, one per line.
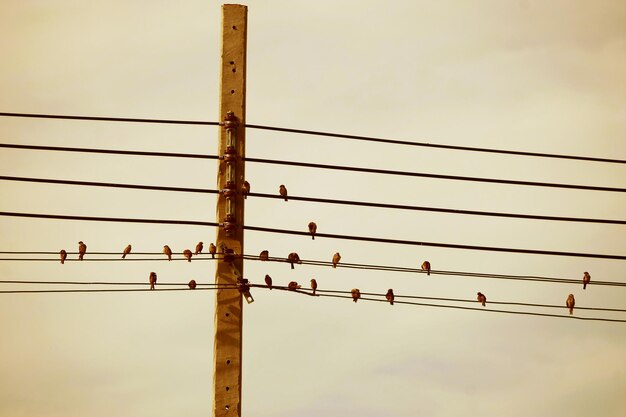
point(232, 91)
point(228, 362)
point(227, 388)
point(227, 314)
point(234, 27)
point(227, 407)
point(234, 69)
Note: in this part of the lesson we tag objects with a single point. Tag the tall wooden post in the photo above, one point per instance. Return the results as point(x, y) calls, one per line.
point(230, 212)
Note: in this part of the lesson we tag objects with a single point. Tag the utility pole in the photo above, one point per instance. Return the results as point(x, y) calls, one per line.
point(230, 212)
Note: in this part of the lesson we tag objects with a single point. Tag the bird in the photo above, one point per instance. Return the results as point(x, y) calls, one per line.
point(293, 285)
point(199, 248)
point(168, 252)
point(187, 254)
point(283, 191)
point(268, 281)
point(82, 249)
point(586, 279)
point(127, 250)
point(192, 284)
point(264, 255)
point(356, 294)
point(312, 229)
point(336, 259)
point(212, 250)
point(63, 255)
point(153, 279)
point(481, 298)
point(389, 296)
point(570, 302)
point(245, 189)
point(293, 258)
point(314, 285)
point(426, 267)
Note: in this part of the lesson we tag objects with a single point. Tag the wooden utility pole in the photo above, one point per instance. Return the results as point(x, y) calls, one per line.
point(230, 212)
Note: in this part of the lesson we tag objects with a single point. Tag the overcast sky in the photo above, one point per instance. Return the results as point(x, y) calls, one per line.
point(539, 76)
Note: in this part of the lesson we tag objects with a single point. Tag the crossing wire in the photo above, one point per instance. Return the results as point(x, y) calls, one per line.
point(322, 235)
point(321, 133)
point(313, 199)
point(332, 167)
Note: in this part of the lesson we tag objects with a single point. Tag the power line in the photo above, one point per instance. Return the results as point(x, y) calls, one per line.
point(322, 235)
point(327, 134)
point(327, 166)
point(103, 290)
point(434, 145)
point(444, 272)
point(438, 176)
point(358, 266)
point(111, 119)
point(381, 295)
point(315, 200)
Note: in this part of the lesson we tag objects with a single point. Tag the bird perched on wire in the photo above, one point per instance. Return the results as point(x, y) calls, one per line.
point(389, 296)
point(187, 254)
point(245, 189)
point(313, 285)
point(153, 280)
point(336, 259)
point(481, 298)
point(268, 281)
point(168, 252)
point(212, 250)
point(264, 255)
point(293, 285)
point(127, 250)
point(293, 258)
point(82, 249)
point(426, 267)
point(63, 255)
point(570, 302)
point(312, 229)
point(192, 284)
point(586, 279)
point(356, 294)
point(199, 248)
point(283, 191)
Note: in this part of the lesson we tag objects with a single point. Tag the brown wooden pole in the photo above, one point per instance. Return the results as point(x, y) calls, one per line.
point(230, 212)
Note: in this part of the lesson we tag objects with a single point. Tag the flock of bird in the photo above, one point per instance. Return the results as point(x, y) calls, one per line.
point(292, 258)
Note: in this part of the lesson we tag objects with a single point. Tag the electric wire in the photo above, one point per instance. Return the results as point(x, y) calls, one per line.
point(327, 134)
point(332, 167)
point(335, 294)
point(315, 200)
point(323, 235)
point(359, 266)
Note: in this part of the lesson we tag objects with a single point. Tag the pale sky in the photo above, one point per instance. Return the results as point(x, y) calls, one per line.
point(539, 76)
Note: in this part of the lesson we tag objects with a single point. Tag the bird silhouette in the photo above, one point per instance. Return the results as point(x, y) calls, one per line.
point(389, 296)
point(356, 294)
point(245, 189)
point(199, 248)
point(336, 259)
point(264, 255)
point(283, 191)
point(192, 284)
point(314, 285)
point(82, 249)
point(127, 250)
point(293, 285)
point(312, 229)
point(212, 250)
point(481, 298)
point(293, 258)
point(268, 281)
point(63, 255)
point(153, 280)
point(426, 267)
point(187, 254)
point(570, 302)
point(168, 252)
point(586, 279)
